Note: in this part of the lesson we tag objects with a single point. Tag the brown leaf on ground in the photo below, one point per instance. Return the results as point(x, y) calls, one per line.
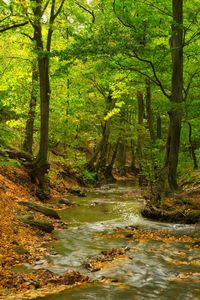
point(99, 262)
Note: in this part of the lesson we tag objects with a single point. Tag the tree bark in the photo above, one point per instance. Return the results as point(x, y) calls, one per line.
point(140, 137)
point(192, 148)
point(108, 170)
point(158, 127)
point(101, 163)
point(133, 167)
point(149, 110)
point(28, 139)
point(121, 159)
point(98, 160)
point(40, 165)
point(175, 113)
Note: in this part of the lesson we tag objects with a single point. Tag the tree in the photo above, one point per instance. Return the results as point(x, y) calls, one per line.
point(176, 98)
point(40, 165)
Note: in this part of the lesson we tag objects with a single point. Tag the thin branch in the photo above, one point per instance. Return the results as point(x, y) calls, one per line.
point(15, 57)
point(195, 35)
point(25, 10)
point(121, 21)
point(101, 90)
point(28, 36)
point(137, 71)
point(5, 18)
point(87, 10)
point(193, 20)
point(158, 8)
point(186, 90)
point(13, 26)
point(45, 6)
point(147, 76)
point(157, 80)
point(59, 9)
point(4, 70)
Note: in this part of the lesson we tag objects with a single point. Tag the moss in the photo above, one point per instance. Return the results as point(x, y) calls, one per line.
point(42, 209)
point(20, 250)
point(41, 225)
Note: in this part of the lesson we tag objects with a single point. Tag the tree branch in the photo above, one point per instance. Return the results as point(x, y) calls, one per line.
point(59, 9)
point(101, 90)
point(186, 90)
point(147, 76)
point(45, 6)
point(15, 57)
point(51, 21)
point(13, 26)
point(195, 35)
point(87, 10)
point(149, 3)
point(5, 18)
point(28, 36)
point(121, 21)
point(157, 80)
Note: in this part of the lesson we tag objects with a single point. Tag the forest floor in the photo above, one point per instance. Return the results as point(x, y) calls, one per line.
point(20, 243)
point(182, 206)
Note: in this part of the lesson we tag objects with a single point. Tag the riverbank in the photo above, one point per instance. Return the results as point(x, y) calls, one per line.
point(180, 207)
point(21, 243)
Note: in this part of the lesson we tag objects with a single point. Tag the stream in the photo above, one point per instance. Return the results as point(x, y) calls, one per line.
point(149, 271)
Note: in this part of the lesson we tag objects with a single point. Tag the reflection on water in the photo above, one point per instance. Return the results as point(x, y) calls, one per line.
point(151, 267)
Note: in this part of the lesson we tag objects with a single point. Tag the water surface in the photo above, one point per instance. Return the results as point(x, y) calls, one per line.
point(152, 266)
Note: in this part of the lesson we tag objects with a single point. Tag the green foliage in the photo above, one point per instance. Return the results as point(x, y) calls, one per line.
point(88, 177)
point(7, 162)
point(107, 49)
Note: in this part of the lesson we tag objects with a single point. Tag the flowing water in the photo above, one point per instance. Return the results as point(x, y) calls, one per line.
point(149, 271)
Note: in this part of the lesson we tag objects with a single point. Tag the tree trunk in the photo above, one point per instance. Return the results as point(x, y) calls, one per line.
point(101, 163)
point(192, 148)
point(28, 139)
point(140, 137)
point(175, 113)
point(100, 154)
point(108, 170)
point(149, 110)
point(121, 159)
point(101, 147)
point(140, 122)
point(40, 165)
point(133, 167)
point(158, 127)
